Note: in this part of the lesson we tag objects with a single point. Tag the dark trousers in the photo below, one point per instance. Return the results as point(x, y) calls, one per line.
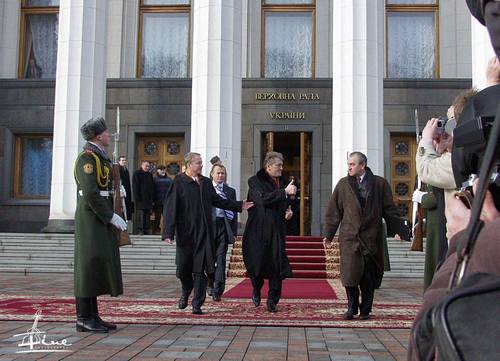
point(158, 211)
point(275, 283)
point(144, 216)
point(218, 280)
point(86, 307)
point(198, 283)
point(367, 288)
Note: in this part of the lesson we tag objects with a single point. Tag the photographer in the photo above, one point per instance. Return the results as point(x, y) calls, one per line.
point(484, 258)
point(434, 150)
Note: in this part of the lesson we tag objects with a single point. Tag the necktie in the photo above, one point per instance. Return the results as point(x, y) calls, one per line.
point(219, 188)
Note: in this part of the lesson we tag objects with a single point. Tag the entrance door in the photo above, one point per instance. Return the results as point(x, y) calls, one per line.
point(296, 149)
point(157, 150)
point(403, 172)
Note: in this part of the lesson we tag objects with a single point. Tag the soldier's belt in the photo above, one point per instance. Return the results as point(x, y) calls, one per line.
point(101, 193)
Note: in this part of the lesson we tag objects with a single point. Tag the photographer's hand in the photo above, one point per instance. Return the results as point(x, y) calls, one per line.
point(429, 133)
point(457, 216)
point(489, 212)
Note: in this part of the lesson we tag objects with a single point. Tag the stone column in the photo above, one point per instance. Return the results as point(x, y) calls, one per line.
point(10, 13)
point(216, 97)
point(80, 95)
point(357, 105)
point(482, 51)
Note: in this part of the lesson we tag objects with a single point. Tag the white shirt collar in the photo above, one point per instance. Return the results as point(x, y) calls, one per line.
point(96, 145)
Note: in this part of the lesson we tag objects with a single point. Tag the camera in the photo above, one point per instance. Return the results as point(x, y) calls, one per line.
point(471, 137)
point(445, 125)
point(441, 123)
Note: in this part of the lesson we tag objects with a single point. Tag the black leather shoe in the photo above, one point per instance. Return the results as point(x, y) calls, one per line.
point(197, 311)
point(256, 298)
point(90, 325)
point(364, 317)
point(216, 297)
point(348, 315)
point(183, 302)
point(108, 325)
point(271, 307)
point(210, 290)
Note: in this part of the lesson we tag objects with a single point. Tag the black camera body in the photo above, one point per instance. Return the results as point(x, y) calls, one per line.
point(472, 135)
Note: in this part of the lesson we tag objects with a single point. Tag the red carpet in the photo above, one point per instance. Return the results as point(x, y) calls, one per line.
point(231, 311)
point(307, 255)
point(292, 288)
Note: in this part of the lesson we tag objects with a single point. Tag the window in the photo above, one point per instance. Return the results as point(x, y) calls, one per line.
point(412, 38)
point(38, 47)
point(288, 38)
point(32, 166)
point(164, 39)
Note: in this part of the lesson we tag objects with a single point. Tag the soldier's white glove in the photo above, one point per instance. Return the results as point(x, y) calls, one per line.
point(123, 192)
point(417, 196)
point(118, 222)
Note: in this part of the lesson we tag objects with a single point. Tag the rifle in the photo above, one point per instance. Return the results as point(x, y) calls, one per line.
point(119, 204)
point(417, 243)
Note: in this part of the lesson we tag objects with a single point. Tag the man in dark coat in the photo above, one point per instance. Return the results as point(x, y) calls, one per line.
point(162, 185)
point(189, 217)
point(125, 179)
point(225, 225)
point(144, 192)
point(357, 205)
point(264, 251)
point(97, 257)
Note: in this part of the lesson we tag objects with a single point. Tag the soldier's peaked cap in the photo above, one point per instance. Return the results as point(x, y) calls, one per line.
point(93, 127)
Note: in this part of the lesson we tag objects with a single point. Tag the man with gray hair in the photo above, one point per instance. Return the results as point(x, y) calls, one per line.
point(357, 205)
point(189, 217)
point(264, 251)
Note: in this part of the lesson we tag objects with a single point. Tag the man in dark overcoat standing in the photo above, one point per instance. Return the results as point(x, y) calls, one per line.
point(264, 251)
point(357, 205)
point(189, 217)
point(97, 257)
point(125, 178)
point(144, 192)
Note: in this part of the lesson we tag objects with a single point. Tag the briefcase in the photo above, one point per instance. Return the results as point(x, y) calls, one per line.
point(123, 238)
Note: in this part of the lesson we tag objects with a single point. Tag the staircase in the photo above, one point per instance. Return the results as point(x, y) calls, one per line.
point(53, 253)
point(404, 262)
point(307, 257)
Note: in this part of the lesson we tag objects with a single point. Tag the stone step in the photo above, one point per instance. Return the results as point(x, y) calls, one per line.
point(32, 253)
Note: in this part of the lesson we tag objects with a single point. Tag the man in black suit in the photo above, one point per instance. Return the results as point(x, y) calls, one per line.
point(125, 178)
point(226, 224)
point(144, 191)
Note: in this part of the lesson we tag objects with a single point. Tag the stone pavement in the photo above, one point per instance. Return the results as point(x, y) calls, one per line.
point(188, 342)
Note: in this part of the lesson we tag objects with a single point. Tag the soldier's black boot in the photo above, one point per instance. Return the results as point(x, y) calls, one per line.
point(95, 312)
point(85, 322)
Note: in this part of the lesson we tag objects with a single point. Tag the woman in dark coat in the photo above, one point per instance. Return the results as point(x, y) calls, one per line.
point(264, 237)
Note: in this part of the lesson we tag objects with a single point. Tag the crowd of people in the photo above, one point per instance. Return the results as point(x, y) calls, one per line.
point(199, 215)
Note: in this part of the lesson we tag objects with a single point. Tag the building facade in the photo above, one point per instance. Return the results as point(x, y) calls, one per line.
point(313, 79)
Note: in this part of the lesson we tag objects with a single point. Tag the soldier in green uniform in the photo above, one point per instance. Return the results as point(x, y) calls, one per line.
point(97, 257)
